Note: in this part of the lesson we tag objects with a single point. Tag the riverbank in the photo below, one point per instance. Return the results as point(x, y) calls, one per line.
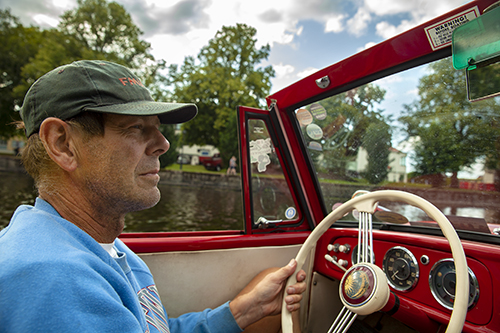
point(10, 163)
point(200, 180)
point(332, 192)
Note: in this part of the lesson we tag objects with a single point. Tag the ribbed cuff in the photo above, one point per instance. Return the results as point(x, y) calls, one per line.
point(222, 319)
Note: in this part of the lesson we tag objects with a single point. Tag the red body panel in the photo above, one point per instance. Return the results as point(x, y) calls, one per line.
point(195, 242)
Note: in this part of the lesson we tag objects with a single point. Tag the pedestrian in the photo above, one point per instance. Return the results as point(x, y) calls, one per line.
point(231, 170)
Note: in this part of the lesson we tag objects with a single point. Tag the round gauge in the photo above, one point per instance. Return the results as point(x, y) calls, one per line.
point(354, 255)
point(401, 268)
point(442, 283)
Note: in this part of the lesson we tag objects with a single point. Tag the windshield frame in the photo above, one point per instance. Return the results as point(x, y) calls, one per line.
point(306, 92)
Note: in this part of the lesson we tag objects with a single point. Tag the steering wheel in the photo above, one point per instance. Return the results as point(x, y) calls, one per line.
point(364, 287)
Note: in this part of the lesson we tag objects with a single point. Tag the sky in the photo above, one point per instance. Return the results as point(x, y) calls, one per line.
point(304, 35)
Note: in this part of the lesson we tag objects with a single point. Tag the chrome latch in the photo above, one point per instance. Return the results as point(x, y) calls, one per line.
point(323, 82)
point(264, 223)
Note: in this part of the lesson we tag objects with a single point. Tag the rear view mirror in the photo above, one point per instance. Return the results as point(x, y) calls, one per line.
point(476, 47)
point(483, 82)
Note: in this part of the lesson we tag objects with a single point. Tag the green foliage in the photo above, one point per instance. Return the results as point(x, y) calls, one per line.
point(451, 132)
point(353, 122)
point(106, 30)
point(19, 44)
point(225, 76)
point(377, 142)
point(170, 157)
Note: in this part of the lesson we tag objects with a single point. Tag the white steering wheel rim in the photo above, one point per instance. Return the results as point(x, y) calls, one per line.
point(368, 203)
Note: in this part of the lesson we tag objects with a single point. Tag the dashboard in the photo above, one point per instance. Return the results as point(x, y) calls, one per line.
point(420, 271)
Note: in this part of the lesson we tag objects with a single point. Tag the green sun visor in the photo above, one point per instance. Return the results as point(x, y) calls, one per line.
point(477, 40)
point(476, 47)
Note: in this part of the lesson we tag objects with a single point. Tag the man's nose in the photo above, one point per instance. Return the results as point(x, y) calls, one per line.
point(160, 144)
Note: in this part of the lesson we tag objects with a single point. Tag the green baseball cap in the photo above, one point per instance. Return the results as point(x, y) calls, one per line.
point(98, 86)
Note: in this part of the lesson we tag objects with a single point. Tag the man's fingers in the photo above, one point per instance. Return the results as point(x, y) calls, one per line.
point(297, 288)
point(292, 299)
point(293, 307)
point(286, 271)
point(301, 275)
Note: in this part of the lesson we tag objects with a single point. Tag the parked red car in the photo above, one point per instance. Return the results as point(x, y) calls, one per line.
point(212, 163)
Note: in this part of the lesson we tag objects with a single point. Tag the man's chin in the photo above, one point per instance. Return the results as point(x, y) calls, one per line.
point(149, 200)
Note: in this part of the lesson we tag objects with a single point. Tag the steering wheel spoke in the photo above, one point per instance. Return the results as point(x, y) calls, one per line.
point(365, 238)
point(344, 320)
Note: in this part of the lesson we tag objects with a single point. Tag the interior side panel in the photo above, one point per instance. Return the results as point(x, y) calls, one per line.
point(196, 280)
point(325, 303)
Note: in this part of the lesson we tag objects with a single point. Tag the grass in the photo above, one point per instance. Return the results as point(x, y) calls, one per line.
point(192, 168)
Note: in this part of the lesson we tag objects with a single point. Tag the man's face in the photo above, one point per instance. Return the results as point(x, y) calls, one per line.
point(120, 170)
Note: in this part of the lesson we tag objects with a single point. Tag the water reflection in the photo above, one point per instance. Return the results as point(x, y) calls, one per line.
point(15, 189)
point(187, 208)
point(181, 208)
point(416, 214)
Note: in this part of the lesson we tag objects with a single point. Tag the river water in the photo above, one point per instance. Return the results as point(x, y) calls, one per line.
point(188, 208)
point(181, 208)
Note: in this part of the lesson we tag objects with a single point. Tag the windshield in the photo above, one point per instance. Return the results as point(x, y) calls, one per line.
point(413, 131)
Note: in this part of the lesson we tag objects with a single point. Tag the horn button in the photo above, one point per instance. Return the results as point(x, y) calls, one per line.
point(364, 289)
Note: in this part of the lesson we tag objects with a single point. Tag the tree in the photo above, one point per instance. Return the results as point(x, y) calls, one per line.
point(19, 44)
point(377, 142)
point(452, 133)
point(95, 29)
point(170, 157)
point(225, 75)
point(352, 121)
point(108, 31)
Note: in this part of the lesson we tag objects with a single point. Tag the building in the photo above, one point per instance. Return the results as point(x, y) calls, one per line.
point(397, 164)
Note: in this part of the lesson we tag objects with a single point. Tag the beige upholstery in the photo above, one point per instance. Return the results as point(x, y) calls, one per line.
point(194, 281)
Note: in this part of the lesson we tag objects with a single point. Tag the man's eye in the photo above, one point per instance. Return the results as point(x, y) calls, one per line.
point(136, 127)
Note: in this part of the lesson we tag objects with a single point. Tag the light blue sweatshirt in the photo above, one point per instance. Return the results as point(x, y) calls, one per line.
point(54, 277)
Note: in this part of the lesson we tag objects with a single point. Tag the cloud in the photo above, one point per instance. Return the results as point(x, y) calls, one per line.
point(172, 17)
point(284, 75)
point(399, 16)
point(45, 21)
point(335, 23)
point(389, 7)
point(46, 11)
point(271, 16)
point(367, 46)
point(358, 24)
point(306, 72)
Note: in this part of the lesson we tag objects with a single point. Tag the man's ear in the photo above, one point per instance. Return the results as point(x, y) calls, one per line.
point(56, 136)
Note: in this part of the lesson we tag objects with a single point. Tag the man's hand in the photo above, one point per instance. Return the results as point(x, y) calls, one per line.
point(265, 297)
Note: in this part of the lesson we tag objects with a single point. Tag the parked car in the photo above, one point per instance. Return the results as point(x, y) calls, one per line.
point(183, 159)
point(213, 162)
point(294, 163)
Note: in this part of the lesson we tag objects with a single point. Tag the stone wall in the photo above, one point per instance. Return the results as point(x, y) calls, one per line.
point(10, 164)
point(200, 179)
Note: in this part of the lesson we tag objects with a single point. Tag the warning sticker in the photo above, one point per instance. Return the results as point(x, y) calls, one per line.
point(259, 153)
point(439, 34)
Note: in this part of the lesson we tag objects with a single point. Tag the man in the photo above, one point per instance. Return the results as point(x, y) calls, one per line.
point(93, 150)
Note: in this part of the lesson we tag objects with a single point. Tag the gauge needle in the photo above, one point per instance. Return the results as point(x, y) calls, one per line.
point(393, 275)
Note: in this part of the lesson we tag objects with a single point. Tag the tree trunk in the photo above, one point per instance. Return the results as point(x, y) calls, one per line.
point(454, 180)
point(437, 180)
point(496, 180)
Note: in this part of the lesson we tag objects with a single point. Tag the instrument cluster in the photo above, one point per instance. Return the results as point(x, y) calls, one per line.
point(403, 271)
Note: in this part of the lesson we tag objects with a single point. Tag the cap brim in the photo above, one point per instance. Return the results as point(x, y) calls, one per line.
point(169, 113)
